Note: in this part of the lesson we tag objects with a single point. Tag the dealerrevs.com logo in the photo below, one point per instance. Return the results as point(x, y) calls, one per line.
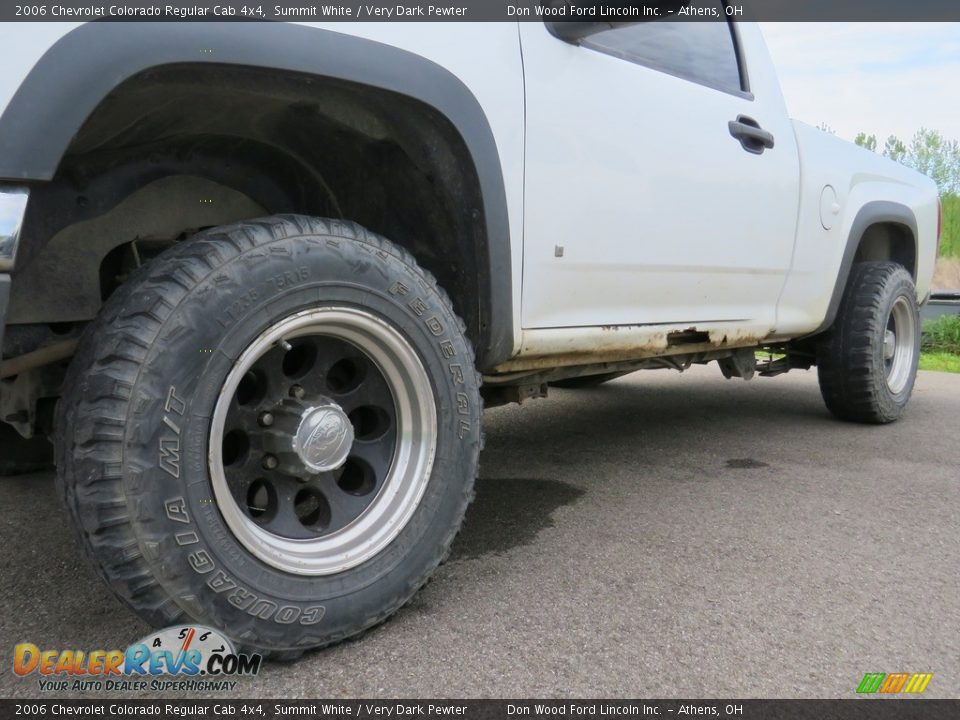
point(189, 657)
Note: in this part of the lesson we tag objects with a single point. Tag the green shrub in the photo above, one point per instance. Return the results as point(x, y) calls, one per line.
point(942, 335)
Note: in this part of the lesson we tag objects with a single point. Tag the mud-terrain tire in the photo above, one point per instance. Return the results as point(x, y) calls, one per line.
point(587, 381)
point(179, 534)
point(867, 363)
point(20, 456)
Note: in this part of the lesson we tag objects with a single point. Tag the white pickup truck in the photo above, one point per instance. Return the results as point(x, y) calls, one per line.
point(257, 279)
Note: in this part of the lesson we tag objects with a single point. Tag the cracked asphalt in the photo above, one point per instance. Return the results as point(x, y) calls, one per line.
point(664, 535)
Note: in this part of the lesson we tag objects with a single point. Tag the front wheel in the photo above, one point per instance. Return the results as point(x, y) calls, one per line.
point(272, 430)
point(867, 363)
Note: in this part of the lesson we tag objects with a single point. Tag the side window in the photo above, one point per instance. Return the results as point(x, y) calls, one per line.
point(703, 51)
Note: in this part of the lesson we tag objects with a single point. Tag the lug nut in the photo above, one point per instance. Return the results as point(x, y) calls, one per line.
point(297, 391)
point(270, 462)
point(265, 419)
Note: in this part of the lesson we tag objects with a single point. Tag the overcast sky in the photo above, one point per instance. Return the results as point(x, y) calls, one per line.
point(881, 78)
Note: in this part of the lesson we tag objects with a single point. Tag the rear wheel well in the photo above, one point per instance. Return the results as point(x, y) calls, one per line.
point(214, 144)
point(888, 241)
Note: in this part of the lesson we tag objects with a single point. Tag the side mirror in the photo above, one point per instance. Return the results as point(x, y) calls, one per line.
point(574, 31)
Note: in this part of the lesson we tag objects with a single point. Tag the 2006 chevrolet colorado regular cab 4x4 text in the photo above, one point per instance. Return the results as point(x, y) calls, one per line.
point(257, 279)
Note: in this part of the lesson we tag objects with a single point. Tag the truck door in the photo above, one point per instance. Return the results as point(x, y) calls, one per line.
point(661, 179)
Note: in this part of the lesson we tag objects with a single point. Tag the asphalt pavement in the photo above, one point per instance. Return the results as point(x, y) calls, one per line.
point(664, 535)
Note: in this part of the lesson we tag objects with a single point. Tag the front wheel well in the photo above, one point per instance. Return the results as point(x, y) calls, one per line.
point(202, 144)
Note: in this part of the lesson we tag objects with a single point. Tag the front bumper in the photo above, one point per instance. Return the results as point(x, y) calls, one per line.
point(13, 206)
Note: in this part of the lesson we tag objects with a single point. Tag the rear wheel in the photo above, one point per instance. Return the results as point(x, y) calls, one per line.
point(867, 363)
point(272, 430)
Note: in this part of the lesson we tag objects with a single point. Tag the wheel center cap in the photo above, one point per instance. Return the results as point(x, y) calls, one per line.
point(324, 438)
point(889, 345)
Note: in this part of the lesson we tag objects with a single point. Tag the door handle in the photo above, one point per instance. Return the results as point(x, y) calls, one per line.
point(752, 137)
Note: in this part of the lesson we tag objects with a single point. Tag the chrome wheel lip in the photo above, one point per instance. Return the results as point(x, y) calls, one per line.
point(901, 362)
point(410, 469)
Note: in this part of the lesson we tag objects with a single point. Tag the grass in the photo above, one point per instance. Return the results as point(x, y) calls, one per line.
point(940, 362)
point(940, 344)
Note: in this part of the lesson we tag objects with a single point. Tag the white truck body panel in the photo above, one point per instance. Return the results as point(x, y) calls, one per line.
point(662, 216)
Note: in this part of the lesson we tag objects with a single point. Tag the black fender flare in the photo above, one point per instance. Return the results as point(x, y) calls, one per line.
point(71, 79)
point(872, 213)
